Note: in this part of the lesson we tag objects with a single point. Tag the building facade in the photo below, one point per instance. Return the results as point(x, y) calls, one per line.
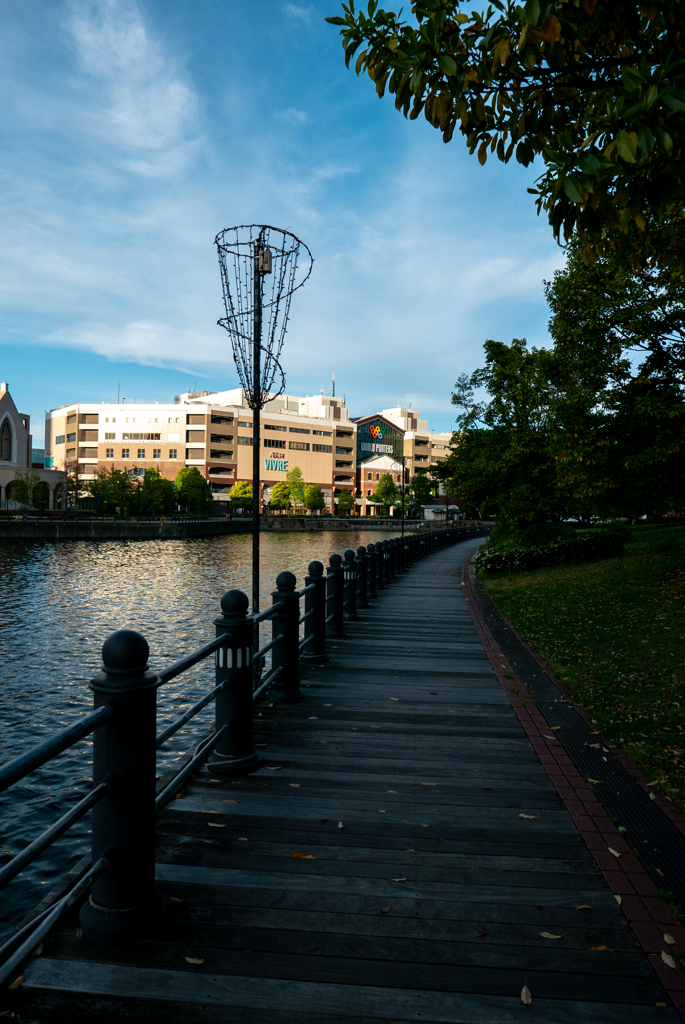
point(17, 453)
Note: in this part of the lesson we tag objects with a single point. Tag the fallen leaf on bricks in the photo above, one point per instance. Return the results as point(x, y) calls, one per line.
point(530, 817)
point(669, 939)
point(216, 824)
point(601, 949)
point(481, 933)
point(584, 906)
point(611, 850)
point(526, 997)
point(553, 728)
point(548, 737)
point(229, 801)
point(384, 910)
point(659, 872)
point(548, 935)
point(594, 782)
point(656, 783)
point(300, 855)
point(398, 879)
point(195, 960)
point(618, 898)
point(595, 732)
point(17, 982)
point(668, 959)
point(594, 746)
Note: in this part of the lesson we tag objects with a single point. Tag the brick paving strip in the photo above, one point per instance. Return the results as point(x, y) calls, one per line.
point(649, 917)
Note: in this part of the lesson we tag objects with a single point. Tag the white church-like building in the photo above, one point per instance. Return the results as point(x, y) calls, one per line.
point(48, 486)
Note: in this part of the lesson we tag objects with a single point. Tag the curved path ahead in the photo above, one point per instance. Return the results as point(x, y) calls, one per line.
point(401, 856)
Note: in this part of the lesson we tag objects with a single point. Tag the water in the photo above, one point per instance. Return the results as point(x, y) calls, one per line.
point(58, 604)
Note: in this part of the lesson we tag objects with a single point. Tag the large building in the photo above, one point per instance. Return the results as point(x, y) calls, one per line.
point(18, 454)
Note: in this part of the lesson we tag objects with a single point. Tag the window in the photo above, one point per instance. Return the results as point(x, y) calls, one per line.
point(221, 438)
point(271, 442)
point(71, 418)
point(140, 437)
point(300, 430)
point(342, 451)
point(195, 420)
point(323, 433)
point(369, 476)
point(59, 439)
point(378, 476)
point(71, 438)
point(269, 426)
point(322, 447)
point(245, 440)
point(172, 420)
point(173, 453)
point(343, 433)
point(368, 494)
point(156, 453)
point(71, 452)
point(110, 437)
point(245, 423)
point(439, 445)
point(300, 446)
point(219, 419)
point(125, 453)
point(141, 453)
point(109, 453)
point(6, 441)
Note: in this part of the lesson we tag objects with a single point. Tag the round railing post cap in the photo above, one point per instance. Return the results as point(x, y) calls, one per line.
point(379, 546)
point(370, 547)
point(349, 555)
point(125, 653)
point(234, 602)
point(361, 550)
point(286, 580)
point(315, 568)
point(335, 559)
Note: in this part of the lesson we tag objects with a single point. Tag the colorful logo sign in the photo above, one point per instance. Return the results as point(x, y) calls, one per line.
point(376, 433)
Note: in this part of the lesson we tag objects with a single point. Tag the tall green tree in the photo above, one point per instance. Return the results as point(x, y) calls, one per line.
point(345, 503)
point(296, 484)
point(314, 499)
point(241, 495)
point(593, 87)
point(280, 496)
point(385, 493)
point(157, 493)
point(192, 490)
point(111, 489)
point(24, 485)
point(421, 487)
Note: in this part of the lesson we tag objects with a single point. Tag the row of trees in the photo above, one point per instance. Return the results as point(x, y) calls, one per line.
point(115, 491)
point(595, 426)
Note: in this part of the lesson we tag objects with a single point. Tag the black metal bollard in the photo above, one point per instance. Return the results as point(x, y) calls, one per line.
point(371, 570)
point(235, 753)
point(335, 598)
point(286, 653)
point(393, 558)
point(362, 566)
point(315, 625)
point(386, 561)
point(124, 901)
point(380, 570)
point(350, 577)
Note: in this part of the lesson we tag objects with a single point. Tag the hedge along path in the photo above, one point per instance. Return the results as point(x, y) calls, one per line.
point(401, 855)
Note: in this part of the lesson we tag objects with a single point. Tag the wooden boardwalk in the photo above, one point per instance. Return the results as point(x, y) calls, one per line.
point(397, 858)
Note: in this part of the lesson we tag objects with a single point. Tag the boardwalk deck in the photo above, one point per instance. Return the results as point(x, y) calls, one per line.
point(396, 858)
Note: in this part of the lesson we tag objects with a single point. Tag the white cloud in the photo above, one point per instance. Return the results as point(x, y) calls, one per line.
point(295, 11)
point(294, 116)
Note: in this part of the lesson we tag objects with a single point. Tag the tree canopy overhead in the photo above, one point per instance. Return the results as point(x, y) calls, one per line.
point(594, 87)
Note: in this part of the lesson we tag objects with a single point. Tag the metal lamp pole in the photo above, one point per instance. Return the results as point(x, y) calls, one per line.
point(256, 419)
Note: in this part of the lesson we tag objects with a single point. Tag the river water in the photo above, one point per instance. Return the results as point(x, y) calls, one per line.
point(58, 604)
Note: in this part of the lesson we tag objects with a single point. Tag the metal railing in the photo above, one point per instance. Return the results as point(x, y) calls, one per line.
point(123, 899)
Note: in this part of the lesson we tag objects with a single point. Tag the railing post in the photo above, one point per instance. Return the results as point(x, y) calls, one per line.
point(371, 570)
point(361, 562)
point(380, 570)
point(124, 900)
point(286, 623)
point(335, 598)
point(393, 557)
point(386, 561)
point(315, 625)
point(350, 576)
point(234, 754)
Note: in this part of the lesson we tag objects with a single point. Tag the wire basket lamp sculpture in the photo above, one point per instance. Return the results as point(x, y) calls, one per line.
point(257, 312)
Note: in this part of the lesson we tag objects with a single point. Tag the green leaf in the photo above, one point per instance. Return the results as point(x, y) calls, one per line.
point(532, 11)
point(336, 21)
point(448, 65)
point(626, 143)
point(590, 164)
point(665, 140)
point(572, 189)
point(675, 99)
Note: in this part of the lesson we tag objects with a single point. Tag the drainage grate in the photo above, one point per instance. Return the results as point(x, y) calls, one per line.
point(659, 844)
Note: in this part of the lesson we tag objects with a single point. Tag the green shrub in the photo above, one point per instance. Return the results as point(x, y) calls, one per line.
point(581, 547)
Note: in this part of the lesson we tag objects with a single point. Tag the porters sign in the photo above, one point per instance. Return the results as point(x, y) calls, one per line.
point(378, 438)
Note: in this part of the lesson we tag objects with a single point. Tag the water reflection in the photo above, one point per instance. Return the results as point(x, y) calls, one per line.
point(59, 603)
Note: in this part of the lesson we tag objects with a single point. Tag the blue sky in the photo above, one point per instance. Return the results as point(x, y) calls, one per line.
point(133, 130)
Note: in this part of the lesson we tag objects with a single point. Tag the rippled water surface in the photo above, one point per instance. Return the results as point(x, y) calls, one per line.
point(58, 603)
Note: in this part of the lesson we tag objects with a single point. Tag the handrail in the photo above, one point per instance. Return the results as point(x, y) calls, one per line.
point(303, 618)
point(202, 752)
point(179, 722)
point(192, 659)
point(307, 589)
point(267, 682)
point(267, 613)
point(267, 647)
point(22, 765)
point(30, 852)
point(303, 643)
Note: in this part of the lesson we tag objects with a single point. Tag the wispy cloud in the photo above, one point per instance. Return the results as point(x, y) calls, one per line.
point(295, 11)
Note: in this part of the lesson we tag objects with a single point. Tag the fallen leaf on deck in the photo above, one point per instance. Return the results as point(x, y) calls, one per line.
point(38, 950)
point(313, 718)
point(526, 997)
point(425, 826)
point(341, 748)
point(340, 824)
point(300, 855)
point(392, 791)
point(273, 768)
point(195, 960)
point(394, 698)
point(548, 935)
point(668, 959)
point(595, 732)
point(381, 812)
point(410, 850)
point(614, 853)
point(242, 839)
point(653, 783)
point(481, 933)
point(584, 906)
point(216, 824)
point(384, 910)
point(669, 939)
point(229, 801)
point(79, 933)
point(530, 817)
point(220, 780)
point(618, 898)
point(294, 785)
point(601, 949)
point(429, 783)
point(651, 796)
point(486, 787)
point(594, 745)
point(212, 812)
point(17, 982)
point(173, 899)
point(399, 879)
point(433, 693)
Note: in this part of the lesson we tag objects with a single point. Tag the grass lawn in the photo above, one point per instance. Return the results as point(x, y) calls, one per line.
point(614, 632)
